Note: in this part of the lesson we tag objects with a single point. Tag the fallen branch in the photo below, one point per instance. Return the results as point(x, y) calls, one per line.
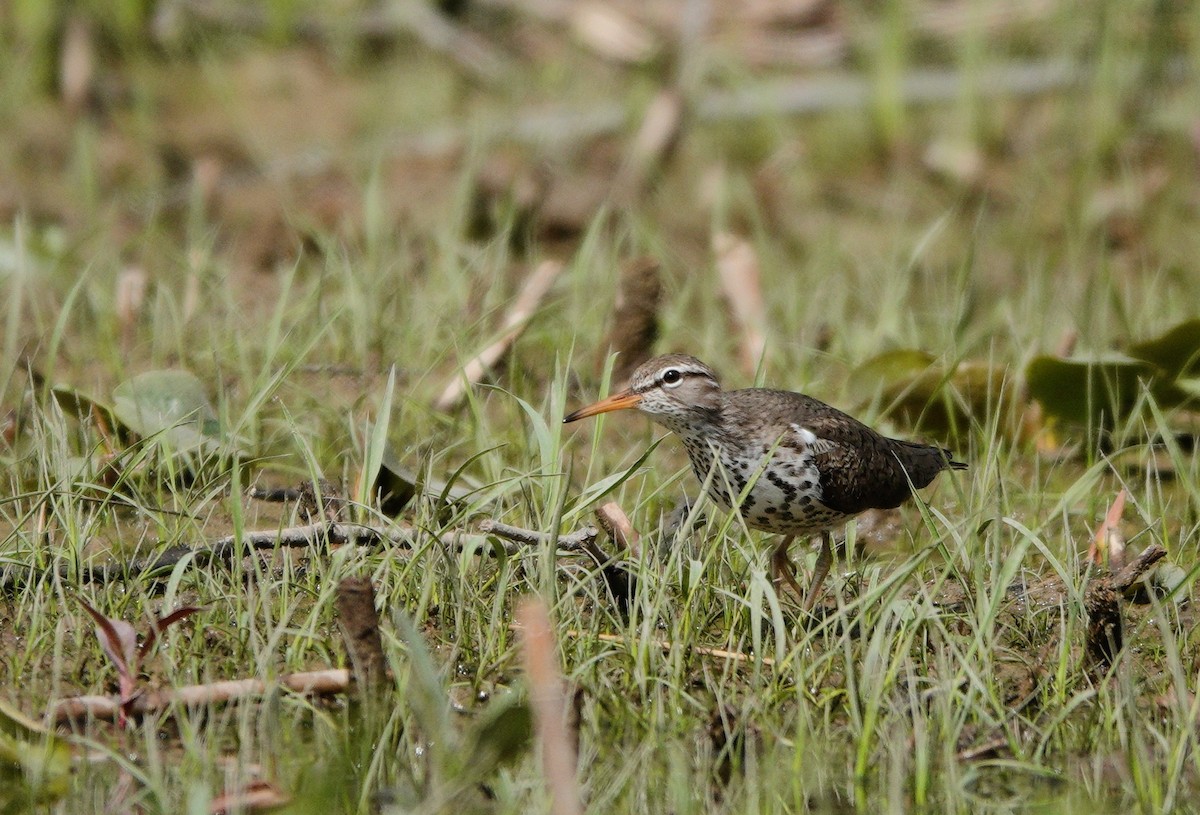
point(527, 302)
point(1102, 602)
point(223, 550)
point(326, 682)
point(1123, 580)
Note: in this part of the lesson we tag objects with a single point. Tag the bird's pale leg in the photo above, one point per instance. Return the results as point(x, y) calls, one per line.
point(820, 570)
point(781, 566)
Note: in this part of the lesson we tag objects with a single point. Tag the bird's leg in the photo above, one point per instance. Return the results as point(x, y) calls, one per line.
point(781, 566)
point(820, 571)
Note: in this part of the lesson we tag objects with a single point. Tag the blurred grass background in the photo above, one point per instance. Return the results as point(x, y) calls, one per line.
point(289, 198)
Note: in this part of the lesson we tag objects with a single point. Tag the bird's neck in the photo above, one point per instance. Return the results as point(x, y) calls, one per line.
point(703, 425)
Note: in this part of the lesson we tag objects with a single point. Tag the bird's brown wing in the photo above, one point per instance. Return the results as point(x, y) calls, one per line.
point(860, 469)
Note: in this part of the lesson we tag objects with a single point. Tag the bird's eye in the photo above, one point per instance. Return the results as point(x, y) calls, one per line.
point(672, 376)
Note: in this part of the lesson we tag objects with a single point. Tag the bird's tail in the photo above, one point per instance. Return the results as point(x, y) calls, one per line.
point(954, 465)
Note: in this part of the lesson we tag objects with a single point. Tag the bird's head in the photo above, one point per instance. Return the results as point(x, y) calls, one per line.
point(674, 389)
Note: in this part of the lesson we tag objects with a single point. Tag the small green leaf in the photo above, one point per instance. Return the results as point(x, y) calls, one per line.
point(427, 694)
point(377, 442)
point(501, 736)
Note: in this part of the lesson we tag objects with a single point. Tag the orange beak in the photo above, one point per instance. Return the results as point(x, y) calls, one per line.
point(618, 401)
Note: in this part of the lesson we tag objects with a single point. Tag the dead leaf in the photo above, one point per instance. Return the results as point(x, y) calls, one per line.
point(255, 796)
point(737, 266)
point(76, 63)
point(1108, 539)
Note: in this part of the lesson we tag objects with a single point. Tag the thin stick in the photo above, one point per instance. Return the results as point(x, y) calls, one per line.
point(549, 707)
point(315, 683)
point(576, 541)
point(527, 302)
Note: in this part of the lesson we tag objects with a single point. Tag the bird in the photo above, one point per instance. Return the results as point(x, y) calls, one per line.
point(791, 464)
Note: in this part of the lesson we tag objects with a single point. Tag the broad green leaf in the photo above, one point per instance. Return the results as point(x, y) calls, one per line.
point(923, 392)
point(1177, 352)
point(1096, 391)
point(880, 373)
point(35, 766)
point(168, 404)
point(398, 484)
point(78, 404)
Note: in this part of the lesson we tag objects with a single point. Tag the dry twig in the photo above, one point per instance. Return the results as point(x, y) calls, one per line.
point(316, 683)
point(576, 541)
point(223, 550)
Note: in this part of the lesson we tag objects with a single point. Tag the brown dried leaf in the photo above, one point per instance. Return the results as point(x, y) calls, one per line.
point(737, 265)
point(256, 796)
point(616, 523)
point(1108, 538)
point(117, 638)
point(76, 63)
point(611, 34)
point(549, 707)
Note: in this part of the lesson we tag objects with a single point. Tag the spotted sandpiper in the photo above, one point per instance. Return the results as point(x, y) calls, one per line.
point(791, 464)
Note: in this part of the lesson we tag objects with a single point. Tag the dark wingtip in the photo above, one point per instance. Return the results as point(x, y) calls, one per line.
point(958, 465)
